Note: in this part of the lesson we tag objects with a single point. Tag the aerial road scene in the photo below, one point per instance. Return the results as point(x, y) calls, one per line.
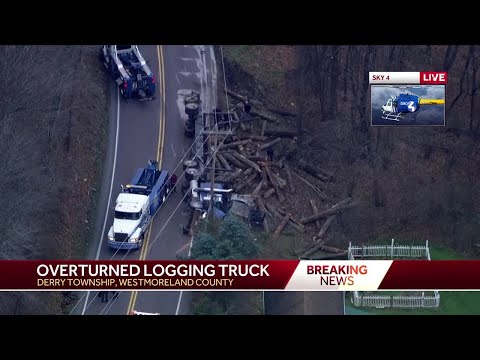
point(239, 152)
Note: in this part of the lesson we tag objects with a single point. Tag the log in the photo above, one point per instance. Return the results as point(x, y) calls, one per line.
point(264, 116)
point(264, 126)
point(272, 179)
point(289, 178)
point(313, 171)
point(282, 225)
point(234, 161)
point(261, 206)
point(345, 204)
point(269, 193)
point(234, 144)
point(262, 158)
point(323, 230)
point(281, 182)
point(278, 164)
point(244, 160)
point(241, 151)
point(312, 249)
point(223, 161)
point(273, 210)
point(234, 175)
point(293, 222)
point(317, 190)
point(242, 98)
point(315, 211)
point(264, 179)
point(270, 144)
point(281, 133)
point(255, 137)
point(331, 249)
point(257, 189)
point(247, 181)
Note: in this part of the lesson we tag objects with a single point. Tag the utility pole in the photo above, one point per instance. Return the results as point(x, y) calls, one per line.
point(212, 173)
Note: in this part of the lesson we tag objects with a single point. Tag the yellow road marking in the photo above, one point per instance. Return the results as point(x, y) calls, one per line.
point(161, 137)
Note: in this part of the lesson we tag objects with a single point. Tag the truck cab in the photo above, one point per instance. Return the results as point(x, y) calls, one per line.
point(136, 206)
point(130, 71)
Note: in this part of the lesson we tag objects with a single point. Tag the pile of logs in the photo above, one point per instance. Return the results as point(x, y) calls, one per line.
point(242, 159)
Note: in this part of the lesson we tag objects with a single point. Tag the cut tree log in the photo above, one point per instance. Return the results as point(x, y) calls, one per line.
point(264, 179)
point(262, 158)
point(269, 193)
point(223, 161)
point(270, 144)
point(331, 249)
point(234, 175)
point(289, 177)
point(277, 164)
point(258, 103)
point(312, 249)
point(273, 210)
point(255, 137)
point(293, 222)
point(264, 126)
point(257, 189)
point(234, 144)
point(241, 150)
point(273, 181)
point(345, 204)
point(282, 225)
point(281, 182)
point(234, 161)
point(261, 206)
point(323, 230)
point(317, 190)
point(315, 211)
point(247, 181)
point(281, 133)
point(242, 98)
point(264, 116)
point(319, 174)
point(244, 160)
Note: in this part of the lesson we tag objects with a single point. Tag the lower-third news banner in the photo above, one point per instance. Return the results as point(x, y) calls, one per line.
point(288, 275)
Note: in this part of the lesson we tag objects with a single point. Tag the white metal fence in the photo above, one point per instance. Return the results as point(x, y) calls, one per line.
point(396, 301)
point(392, 251)
point(388, 251)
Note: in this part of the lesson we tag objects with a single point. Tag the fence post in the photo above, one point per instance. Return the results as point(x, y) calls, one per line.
point(391, 249)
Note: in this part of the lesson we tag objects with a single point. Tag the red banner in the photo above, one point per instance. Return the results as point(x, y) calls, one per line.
point(288, 275)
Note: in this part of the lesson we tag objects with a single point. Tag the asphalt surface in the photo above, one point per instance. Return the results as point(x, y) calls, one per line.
point(185, 68)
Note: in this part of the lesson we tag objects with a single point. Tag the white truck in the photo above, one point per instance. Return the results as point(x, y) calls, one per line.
point(136, 206)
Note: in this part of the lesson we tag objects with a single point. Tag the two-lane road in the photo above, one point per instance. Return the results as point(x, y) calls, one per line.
point(154, 130)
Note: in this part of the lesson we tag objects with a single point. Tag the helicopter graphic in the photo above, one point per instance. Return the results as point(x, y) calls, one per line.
point(405, 106)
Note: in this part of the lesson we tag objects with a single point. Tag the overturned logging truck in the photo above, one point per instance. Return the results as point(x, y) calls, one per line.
point(246, 149)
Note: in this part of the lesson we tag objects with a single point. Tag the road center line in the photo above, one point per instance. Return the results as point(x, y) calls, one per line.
point(161, 137)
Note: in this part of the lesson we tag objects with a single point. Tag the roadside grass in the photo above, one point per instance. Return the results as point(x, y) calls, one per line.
point(451, 302)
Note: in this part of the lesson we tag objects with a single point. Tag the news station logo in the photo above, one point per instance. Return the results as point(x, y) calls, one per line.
point(408, 98)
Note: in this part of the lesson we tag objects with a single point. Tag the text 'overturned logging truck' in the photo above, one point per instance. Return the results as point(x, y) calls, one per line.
point(129, 69)
point(136, 206)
